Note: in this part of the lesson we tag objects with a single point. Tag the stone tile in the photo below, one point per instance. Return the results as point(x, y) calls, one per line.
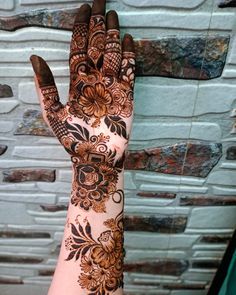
point(163, 267)
point(15, 271)
point(220, 190)
point(128, 181)
point(159, 241)
point(5, 91)
point(189, 292)
point(56, 187)
point(161, 195)
point(41, 152)
point(134, 254)
point(164, 3)
point(188, 159)
point(173, 63)
point(222, 177)
point(34, 163)
point(215, 239)
point(231, 153)
point(198, 275)
point(173, 188)
point(34, 198)
point(21, 175)
point(160, 224)
point(208, 201)
point(13, 212)
point(33, 124)
point(175, 130)
point(212, 217)
point(6, 126)
point(20, 234)
point(184, 286)
point(27, 242)
point(6, 106)
point(179, 99)
point(208, 254)
point(64, 19)
point(13, 280)
point(19, 259)
point(24, 289)
point(54, 208)
point(3, 149)
point(168, 179)
point(206, 264)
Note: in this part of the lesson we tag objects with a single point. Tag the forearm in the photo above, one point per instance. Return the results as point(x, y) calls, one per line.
point(91, 255)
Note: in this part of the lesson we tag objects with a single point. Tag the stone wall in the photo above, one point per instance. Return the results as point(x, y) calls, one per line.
point(180, 179)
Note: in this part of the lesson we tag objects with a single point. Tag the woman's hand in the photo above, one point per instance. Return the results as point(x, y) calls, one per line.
point(97, 118)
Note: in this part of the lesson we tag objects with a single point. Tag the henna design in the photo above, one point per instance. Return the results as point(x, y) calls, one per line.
point(128, 68)
point(98, 97)
point(101, 260)
point(96, 170)
point(78, 48)
point(112, 56)
point(96, 41)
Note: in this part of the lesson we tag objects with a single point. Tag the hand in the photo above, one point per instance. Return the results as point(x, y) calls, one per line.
point(94, 125)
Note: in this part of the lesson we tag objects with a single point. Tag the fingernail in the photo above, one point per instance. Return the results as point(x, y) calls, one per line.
point(42, 71)
point(128, 43)
point(35, 61)
point(112, 20)
point(83, 14)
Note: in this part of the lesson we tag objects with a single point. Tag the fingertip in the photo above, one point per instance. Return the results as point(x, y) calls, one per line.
point(42, 71)
point(83, 14)
point(99, 7)
point(112, 20)
point(128, 43)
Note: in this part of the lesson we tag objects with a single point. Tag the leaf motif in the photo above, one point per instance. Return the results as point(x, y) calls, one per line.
point(85, 250)
point(81, 230)
point(79, 132)
point(71, 255)
point(79, 241)
point(77, 255)
point(116, 125)
point(88, 230)
point(74, 230)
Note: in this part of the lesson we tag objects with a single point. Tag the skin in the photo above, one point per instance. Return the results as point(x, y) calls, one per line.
point(94, 128)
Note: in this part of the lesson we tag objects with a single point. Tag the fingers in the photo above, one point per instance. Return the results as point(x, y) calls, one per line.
point(45, 84)
point(112, 55)
point(127, 73)
point(78, 46)
point(97, 30)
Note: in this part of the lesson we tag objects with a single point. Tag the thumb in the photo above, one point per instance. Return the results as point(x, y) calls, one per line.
point(46, 88)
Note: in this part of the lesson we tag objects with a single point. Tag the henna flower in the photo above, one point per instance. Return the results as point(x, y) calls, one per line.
point(94, 100)
point(86, 264)
point(87, 281)
point(108, 252)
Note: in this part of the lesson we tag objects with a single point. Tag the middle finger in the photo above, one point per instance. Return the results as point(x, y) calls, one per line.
point(97, 30)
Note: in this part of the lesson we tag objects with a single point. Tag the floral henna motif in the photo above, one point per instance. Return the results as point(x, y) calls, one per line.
point(98, 97)
point(95, 166)
point(101, 260)
point(96, 41)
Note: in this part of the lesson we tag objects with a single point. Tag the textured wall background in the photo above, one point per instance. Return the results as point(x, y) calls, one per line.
point(180, 181)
